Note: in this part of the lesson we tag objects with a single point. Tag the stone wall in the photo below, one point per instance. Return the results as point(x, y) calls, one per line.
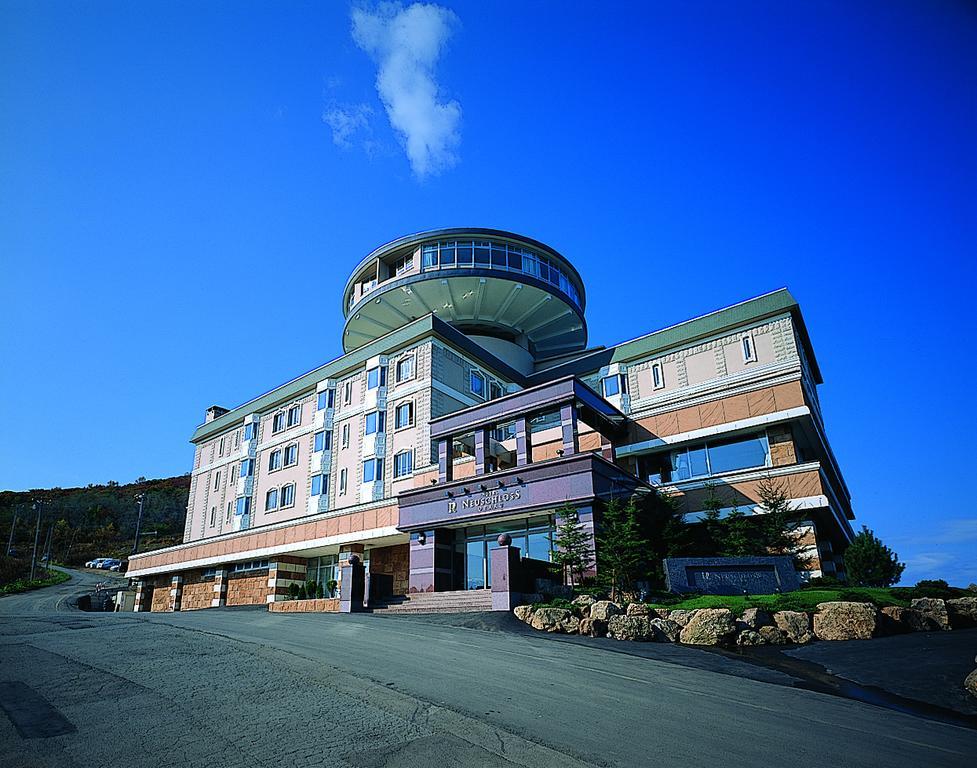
point(394, 560)
point(198, 592)
point(325, 605)
point(161, 601)
point(249, 588)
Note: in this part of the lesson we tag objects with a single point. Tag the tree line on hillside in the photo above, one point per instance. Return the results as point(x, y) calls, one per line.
point(97, 521)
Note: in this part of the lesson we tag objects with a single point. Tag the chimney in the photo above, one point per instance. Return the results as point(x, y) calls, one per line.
point(215, 411)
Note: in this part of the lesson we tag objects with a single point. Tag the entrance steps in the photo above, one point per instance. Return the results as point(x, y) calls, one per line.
point(460, 601)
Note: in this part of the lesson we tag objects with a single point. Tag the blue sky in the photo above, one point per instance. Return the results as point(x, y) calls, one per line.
point(184, 187)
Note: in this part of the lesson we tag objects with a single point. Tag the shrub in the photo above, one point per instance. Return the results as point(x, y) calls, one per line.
point(318, 591)
point(303, 595)
point(331, 586)
point(293, 591)
point(823, 582)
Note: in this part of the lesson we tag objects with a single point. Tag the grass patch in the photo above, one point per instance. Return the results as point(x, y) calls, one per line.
point(25, 585)
point(801, 600)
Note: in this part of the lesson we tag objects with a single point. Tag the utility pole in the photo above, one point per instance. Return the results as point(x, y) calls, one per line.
point(10, 541)
point(46, 552)
point(141, 497)
point(71, 543)
point(37, 534)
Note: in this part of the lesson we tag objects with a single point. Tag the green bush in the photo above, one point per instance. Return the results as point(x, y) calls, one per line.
point(293, 591)
point(556, 602)
point(823, 582)
point(303, 595)
point(331, 586)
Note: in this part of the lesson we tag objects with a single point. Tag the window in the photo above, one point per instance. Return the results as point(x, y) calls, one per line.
point(324, 400)
point(251, 565)
point(345, 440)
point(749, 352)
point(271, 499)
point(347, 393)
point(657, 376)
point(237, 438)
point(403, 463)
point(275, 460)
point(375, 422)
point(217, 480)
point(243, 505)
point(291, 455)
point(322, 440)
point(213, 515)
point(404, 415)
point(405, 369)
point(342, 481)
point(220, 449)
point(716, 456)
point(495, 391)
point(231, 472)
point(476, 382)
point(247, 468)
point(405, 264)
point(228, 516)
point(278, 422)
point(372, 470)
point(250, 431)
point(612, 385)
point(288, 495)
point(294, 415)
point(320, 485)
point(376, 377)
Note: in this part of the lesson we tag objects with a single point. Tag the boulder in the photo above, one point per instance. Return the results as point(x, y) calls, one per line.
point(523, 612)
point(963, 612)
point(555, 620)
point(680, 616)
point(754, 618)
point(666, 630)
point(749, 637)
point(970, 683)
point(584, 601)
point(894, 620)
point(592, 627)
point(845, 621)
point(796, 625)
point(604, 609)
point(934, 609)
point(630, 628)
point(709, 626)
point(640, 609)
point(772, 636)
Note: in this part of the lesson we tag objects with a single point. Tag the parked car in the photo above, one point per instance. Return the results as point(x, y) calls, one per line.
point(119, 566)
point(107, 563)
point(96, 563)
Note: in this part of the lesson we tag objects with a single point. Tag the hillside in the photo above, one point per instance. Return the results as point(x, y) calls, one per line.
point(99, 520)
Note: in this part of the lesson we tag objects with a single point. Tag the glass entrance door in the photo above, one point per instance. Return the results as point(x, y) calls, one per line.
point(475, 564)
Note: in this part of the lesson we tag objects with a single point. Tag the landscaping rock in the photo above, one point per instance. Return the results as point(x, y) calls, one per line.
point(754, 618)
point(666, 630)
point(523, 612)
point(845, 621)
point(640, 609)
point(584, 601)
point(934, 609)
point(772, 635)
point(604, 609)
point(709, 626)
point(555, 620)
point(749, 637)
point(894, 620)
point(963, 612)
point(629, 628)
point(970, 683)
point(592, 627)
point(796, 625)
point(680, 616)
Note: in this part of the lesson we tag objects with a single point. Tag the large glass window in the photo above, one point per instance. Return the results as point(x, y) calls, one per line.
point(738, 453)
point(704, 459)
point(320, 484)
point(250, 431)
point(323, 440)
point(376, 377)
point(374, 422)
point(372, 470)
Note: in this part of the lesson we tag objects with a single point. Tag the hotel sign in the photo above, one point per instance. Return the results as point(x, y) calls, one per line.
point(492, 500)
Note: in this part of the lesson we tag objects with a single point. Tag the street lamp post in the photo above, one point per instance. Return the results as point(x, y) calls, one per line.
point(141, 497)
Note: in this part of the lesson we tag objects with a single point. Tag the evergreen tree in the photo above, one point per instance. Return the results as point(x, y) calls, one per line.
point(778, 523)
point(870, 563)
point(620, 546)
point(573, 551)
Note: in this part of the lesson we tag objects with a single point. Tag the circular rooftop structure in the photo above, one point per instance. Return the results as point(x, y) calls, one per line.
point(484, 282)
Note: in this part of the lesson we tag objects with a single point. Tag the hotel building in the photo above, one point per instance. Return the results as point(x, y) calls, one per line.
point(467, 404)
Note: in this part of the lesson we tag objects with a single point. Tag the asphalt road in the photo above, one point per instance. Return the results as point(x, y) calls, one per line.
point(245, 687)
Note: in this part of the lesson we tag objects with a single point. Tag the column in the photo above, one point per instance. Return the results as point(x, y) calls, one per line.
point(219, 600)
point(445, 464)
point(140, 596)
point(568, 419)
point(481, 450)
point(352, 585)
point(176, 592)
point(505, 575)
point(431, 561)
point(524, 442)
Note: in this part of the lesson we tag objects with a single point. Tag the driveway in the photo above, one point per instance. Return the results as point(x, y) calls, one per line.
point(246, 687)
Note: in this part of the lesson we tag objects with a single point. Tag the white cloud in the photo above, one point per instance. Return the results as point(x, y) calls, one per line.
point(346, 121)
point(406, 44)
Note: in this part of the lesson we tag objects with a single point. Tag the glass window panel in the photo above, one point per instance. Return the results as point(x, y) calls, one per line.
point(498, 255)
point(429, 256)
point(482, 251)
point(697, 461)
point(515, 259)
point(539, 546)
point(447, 254)
point(612, 386)
point(738, 453)
point(475, 565)
point(680, 465)
point(465, 253)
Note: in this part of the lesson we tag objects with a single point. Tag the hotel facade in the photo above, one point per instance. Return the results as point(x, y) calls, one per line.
point(467, 405)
